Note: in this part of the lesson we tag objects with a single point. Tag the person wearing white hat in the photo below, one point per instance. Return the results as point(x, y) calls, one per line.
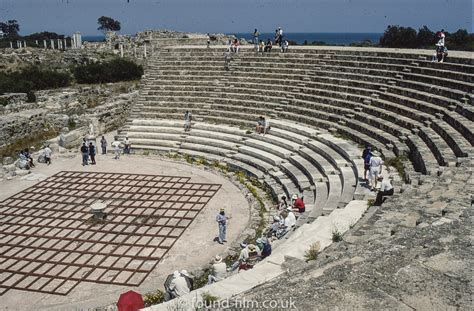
point(298, 203)
point(218, 270)
point(178, 286)
point(375, 169)
point(189, 279)
point(290, 220)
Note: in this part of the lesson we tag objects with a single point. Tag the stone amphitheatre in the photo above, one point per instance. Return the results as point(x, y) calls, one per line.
point(324, 105)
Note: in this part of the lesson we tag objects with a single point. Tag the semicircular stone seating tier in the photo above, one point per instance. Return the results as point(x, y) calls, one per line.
point(317, 99)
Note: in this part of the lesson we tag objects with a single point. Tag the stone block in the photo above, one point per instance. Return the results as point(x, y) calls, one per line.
point(8, 160)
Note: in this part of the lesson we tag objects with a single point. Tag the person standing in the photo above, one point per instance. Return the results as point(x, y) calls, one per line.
point(256, 34)
point(188, 117)
point(85, 154)
point(47, 155)
point(92, 153)
point(375, 169)
point(127, 144)
point(366, 155)
point(116, 145)
point(103, 145)
point(221, 220)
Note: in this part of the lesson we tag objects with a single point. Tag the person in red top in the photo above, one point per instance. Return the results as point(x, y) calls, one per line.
point(298, 203)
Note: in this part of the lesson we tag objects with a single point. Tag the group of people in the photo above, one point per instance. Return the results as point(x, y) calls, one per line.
point(441, 49)
point(25, 158)
point(262, 47)
point(373, 164)
point(88, 149)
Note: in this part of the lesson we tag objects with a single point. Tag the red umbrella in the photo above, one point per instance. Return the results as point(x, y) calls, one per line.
point(130, 301)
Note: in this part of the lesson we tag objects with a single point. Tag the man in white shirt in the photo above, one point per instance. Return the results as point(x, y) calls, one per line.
point(375, 169)
point(178, 286)
point(290, 219)
point(47, 155)
point(218, 270)
point(386, 189)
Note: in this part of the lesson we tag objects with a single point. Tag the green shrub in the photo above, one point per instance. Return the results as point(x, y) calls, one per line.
point(397, 163)
point(113, 71)
point(32, 79)
point(312, 253)
point(153, 298)
point(209, 299)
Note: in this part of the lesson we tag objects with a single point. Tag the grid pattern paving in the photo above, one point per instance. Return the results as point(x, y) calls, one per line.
point(49, 242)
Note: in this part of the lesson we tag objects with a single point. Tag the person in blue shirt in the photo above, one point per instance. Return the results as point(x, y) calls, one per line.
point(221, 220)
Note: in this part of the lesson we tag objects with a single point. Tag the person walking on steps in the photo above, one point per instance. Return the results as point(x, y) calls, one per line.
point(103, 145)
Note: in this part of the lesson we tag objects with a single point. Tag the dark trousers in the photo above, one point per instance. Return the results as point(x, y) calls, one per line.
point(379, 200)
point(104, 150)
point(92, 158)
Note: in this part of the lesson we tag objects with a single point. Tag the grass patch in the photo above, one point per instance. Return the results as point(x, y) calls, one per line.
point(209, 299)
point(336, 236)
point(398, 164)
point(202, 280)
point(153, 298)
point(146, 152)
point(312, 252)
point(248, 132)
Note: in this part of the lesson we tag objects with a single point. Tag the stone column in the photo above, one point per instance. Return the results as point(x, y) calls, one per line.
point(144, 50)
point(24, 44)
point(36, 41)
point(18, 44)
point(65, 43)
point(121, 50)
point(59, 43)
point(11, 45)
point(45, 45)
point(52, 44)
point(135, 51)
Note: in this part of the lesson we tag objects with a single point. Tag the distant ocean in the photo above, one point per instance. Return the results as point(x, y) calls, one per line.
point(338, 38)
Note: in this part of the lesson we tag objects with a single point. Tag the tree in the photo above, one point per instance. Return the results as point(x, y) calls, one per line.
point(425, 37)
point(108, 24)
point(10, 28)
point(399, 37)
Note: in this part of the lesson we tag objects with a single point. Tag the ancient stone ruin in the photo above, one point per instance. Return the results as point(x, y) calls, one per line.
point(324, 104)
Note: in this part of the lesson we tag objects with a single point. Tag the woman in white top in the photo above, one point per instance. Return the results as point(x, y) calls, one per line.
point(375, 169)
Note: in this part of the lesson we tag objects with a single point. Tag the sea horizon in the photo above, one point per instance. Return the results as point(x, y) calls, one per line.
point(338, 38)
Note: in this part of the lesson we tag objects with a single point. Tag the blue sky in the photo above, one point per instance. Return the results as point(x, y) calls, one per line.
point(68, 16)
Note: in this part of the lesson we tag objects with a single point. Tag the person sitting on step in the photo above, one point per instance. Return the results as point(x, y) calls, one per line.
point(386, 189)
point(268, 46)
point(298, 203)
point(260, 125)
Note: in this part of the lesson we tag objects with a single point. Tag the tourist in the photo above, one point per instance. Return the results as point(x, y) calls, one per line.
point(298, 203)
point(127, 146)
point(85, 154)
point(117, 150)
point(256, 34)
point(178, 286)
point(23, 162)
point(261, 47)
point(189, 279)
point(188, 118)
point(260, 125)
point(265, 247)
point(92, 153)
point(280, 31)
point(275, 226)
point(221, 220)
point(266, 125)
point(235, 46)
point(244, 255)
point(218, 270)
point(283, 204)
point(268, 46)
point(441, 54)
point(227, 59)
point(29, 158)
point(366, 155)
point(375, 169)
point(47, 155)
point(284, 46)
point(253, 257)
point(386, 189)
point(290, 220)
point(103, 145)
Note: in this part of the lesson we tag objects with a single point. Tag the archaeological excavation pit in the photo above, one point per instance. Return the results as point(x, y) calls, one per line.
point(50, 242)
